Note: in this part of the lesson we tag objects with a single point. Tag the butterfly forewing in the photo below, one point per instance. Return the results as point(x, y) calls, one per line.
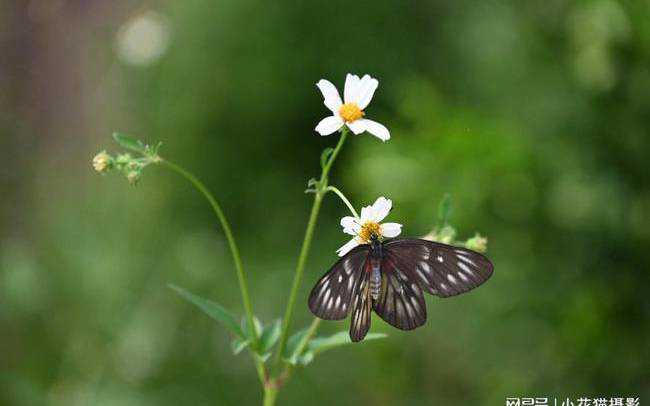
point(332, 296)
point(361, 306)
point(400, 302)
point(440, 269)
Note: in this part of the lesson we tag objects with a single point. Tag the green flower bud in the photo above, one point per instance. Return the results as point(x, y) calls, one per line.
point(477, 243)
point(123, 159)
point(133, 177)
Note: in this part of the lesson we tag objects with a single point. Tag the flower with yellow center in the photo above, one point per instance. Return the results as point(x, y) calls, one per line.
point(368, 225)
point(357, 95)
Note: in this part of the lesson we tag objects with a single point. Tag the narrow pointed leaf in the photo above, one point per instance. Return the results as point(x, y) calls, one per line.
point(256, 322)
point(306, 358)
point(290, 353)
point(321, 344)
point(128, 142)
point(324, 156)
point(270, 336)
point(212, 309)
point(237, 345)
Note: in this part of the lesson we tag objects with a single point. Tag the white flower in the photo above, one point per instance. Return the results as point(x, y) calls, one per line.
point(368, 226)
point(357, 95)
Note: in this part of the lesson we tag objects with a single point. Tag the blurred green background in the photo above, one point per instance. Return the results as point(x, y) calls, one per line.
point(534, 116)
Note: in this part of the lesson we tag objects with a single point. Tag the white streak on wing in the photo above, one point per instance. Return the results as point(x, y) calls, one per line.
point(399, 308)
point(465, 268)
point(469, 261)
point(451, 278)
point(463, 277)
point(421, 275)
point(416, 305)
point(350, 282)
point(340, 278)
point(439, 258)
point(443, 286)
point(326, 296)
point(425, 267)
point(347, 267)
point(338, 301)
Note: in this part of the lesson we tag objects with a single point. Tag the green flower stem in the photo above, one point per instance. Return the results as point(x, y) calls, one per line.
point(344, 199)
point(270, 394)
point(306, 245)
point(241, 275)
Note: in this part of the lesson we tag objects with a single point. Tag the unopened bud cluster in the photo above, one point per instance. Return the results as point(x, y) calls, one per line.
point(477, 243)
point(126, 164)
point(447, 235)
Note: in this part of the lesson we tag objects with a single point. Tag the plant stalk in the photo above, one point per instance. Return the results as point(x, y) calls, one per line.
point(241, 275)
point(304, 250)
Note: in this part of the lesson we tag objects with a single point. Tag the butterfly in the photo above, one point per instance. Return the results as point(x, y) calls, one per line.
point(389, 277)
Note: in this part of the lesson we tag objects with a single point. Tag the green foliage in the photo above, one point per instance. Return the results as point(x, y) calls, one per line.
point(214, 310)
point(130, 143)
point(292, 350)
point(317, 345)
point(270, 336)
point(325, 155)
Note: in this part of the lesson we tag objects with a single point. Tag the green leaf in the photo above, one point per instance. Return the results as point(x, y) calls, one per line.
point(306, 358)
point(237, 345)
point(263, 357)
point(321, 344)
point(256, 322)
point(444, 209)
point(270, 336)
point(212, 309)
point(324, 156)
point(128, 142)
point(291, 350)
point(318, 345)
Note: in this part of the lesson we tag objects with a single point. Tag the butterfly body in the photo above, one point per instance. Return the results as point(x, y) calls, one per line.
point(389, 278)
point(375, 256)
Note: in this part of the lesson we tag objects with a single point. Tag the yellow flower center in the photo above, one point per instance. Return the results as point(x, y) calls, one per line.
point(350, 112)
point(368, 230)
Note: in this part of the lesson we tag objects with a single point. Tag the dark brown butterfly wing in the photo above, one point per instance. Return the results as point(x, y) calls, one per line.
point(331, 298)
point(401, 302)
point(440, 269)
point(362, 306)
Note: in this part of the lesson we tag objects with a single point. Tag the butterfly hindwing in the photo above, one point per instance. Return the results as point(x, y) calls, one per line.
point(332, 296)
point(440, 269)
point(401, 302)
point(361, 306)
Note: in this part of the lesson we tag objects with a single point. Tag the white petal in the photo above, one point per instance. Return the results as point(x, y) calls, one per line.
point(374, 128)
point(391, 229)
point(350, 225)
point(365, 91)
point(347, 247)
point(331, 96)
point(381, 208)
point(329, 124)
point(357, 126)
point(367, 214)
point(351, 86)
